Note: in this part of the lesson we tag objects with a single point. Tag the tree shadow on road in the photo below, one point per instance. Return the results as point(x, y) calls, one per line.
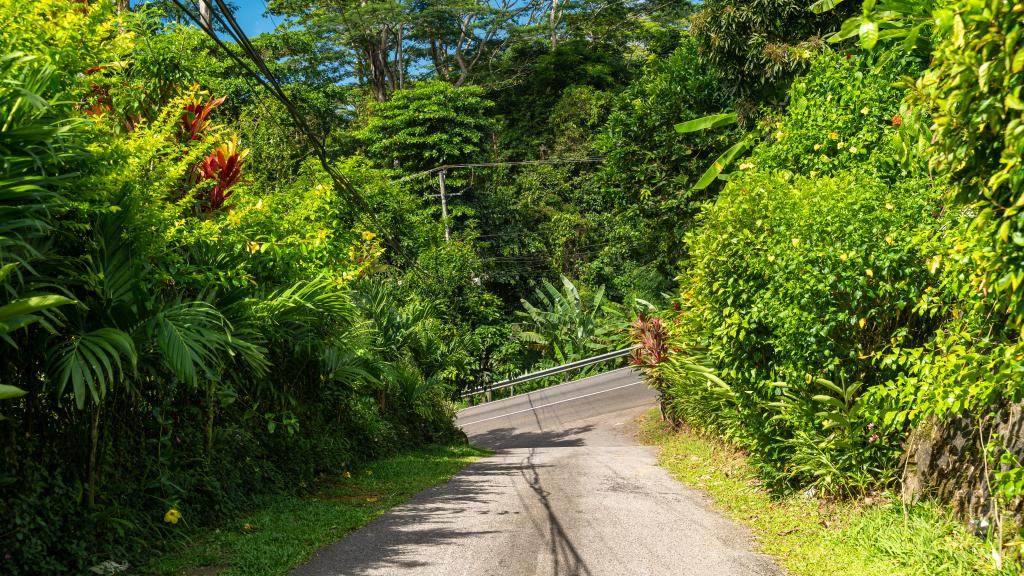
point(405, 540)
point(400, 541)
point(506, 438)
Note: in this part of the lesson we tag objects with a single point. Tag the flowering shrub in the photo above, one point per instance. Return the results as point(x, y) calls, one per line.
point(795, 285)
point(840, 116)
point(195, 119)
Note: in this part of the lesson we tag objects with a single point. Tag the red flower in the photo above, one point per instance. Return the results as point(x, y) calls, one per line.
point(897, 120)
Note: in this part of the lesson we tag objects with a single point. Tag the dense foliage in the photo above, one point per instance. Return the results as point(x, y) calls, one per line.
point(213, 293)
point(858, 277)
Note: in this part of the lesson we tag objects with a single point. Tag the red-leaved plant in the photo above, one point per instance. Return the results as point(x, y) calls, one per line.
point(651, 337)
point(195, 118)
point(224, 167)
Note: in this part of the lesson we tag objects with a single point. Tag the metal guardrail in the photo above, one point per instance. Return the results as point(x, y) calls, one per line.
point(552, 371)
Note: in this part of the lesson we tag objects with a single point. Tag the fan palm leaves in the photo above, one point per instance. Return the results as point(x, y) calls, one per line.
point(121, 320)
point(397, 325)
point(34, 145)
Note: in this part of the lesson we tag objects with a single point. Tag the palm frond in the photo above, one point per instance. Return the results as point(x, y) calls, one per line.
point(92, 363)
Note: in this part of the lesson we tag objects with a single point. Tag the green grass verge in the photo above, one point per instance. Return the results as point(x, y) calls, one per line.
point(812, 538)
point(285, 532)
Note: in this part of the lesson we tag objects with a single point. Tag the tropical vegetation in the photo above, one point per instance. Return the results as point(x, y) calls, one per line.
point(233, 267)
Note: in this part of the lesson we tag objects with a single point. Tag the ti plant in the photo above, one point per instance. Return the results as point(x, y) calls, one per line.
point(224, 167)
point(195, 118)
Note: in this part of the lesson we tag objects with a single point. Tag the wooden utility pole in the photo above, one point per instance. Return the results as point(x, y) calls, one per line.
point(204, 13)
point(444, 206)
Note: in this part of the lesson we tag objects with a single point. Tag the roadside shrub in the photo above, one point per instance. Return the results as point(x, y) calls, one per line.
point(840, 117)
point(795, 285)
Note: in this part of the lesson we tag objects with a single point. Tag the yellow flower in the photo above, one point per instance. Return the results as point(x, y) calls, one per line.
point(172, 516)
point(779, 135)
point(865, 110)
point(771, 257)
point(796, 242)
point(347, 474)
point(253, 247)
point(844, 256)
point(833, 135)
point(889, 240)
point(862, 322)
point(889, 206)
point(841, 145)
point(870, 273)
point(817, 147)
point(367, 235)
point(853, 149)
point(247, 527)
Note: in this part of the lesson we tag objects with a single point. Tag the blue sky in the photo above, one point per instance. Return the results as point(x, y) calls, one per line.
point(250, 17)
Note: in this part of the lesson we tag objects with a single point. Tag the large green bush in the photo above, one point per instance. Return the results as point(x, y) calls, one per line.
point(841, 116)
point(794, 285)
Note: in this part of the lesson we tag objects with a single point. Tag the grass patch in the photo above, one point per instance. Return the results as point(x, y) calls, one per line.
point(285, 532)
point(812, 538)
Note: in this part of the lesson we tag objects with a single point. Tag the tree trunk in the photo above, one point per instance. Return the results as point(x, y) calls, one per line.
point(210, 412)
point(94, 436)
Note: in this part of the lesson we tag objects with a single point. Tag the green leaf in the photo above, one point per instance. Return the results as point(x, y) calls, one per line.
point(720, 164)
point(92, 362)
point(706, 123)
point(33, 304)
point(822, 6)
point(7, 391)
point(868, 33)
point(849, 29)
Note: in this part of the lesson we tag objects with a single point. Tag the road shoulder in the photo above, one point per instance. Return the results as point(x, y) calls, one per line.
point(809, 537)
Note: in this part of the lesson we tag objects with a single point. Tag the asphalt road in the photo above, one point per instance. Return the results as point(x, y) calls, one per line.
point(568, 492)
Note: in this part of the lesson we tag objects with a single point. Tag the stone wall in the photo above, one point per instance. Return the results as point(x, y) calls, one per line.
point(946, 460)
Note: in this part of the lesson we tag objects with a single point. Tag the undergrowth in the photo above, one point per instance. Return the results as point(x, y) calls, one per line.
point(812, 537)
point(287, 530)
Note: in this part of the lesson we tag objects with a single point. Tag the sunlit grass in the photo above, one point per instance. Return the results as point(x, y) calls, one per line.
point(284, 533)
point(811, 538)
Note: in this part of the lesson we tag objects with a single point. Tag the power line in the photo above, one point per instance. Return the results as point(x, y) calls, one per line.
point(495, 164)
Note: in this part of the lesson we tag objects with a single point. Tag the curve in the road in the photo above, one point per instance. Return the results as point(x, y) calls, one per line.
point(568, 492)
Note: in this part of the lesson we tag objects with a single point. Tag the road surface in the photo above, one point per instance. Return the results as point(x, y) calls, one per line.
point(568, 492)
